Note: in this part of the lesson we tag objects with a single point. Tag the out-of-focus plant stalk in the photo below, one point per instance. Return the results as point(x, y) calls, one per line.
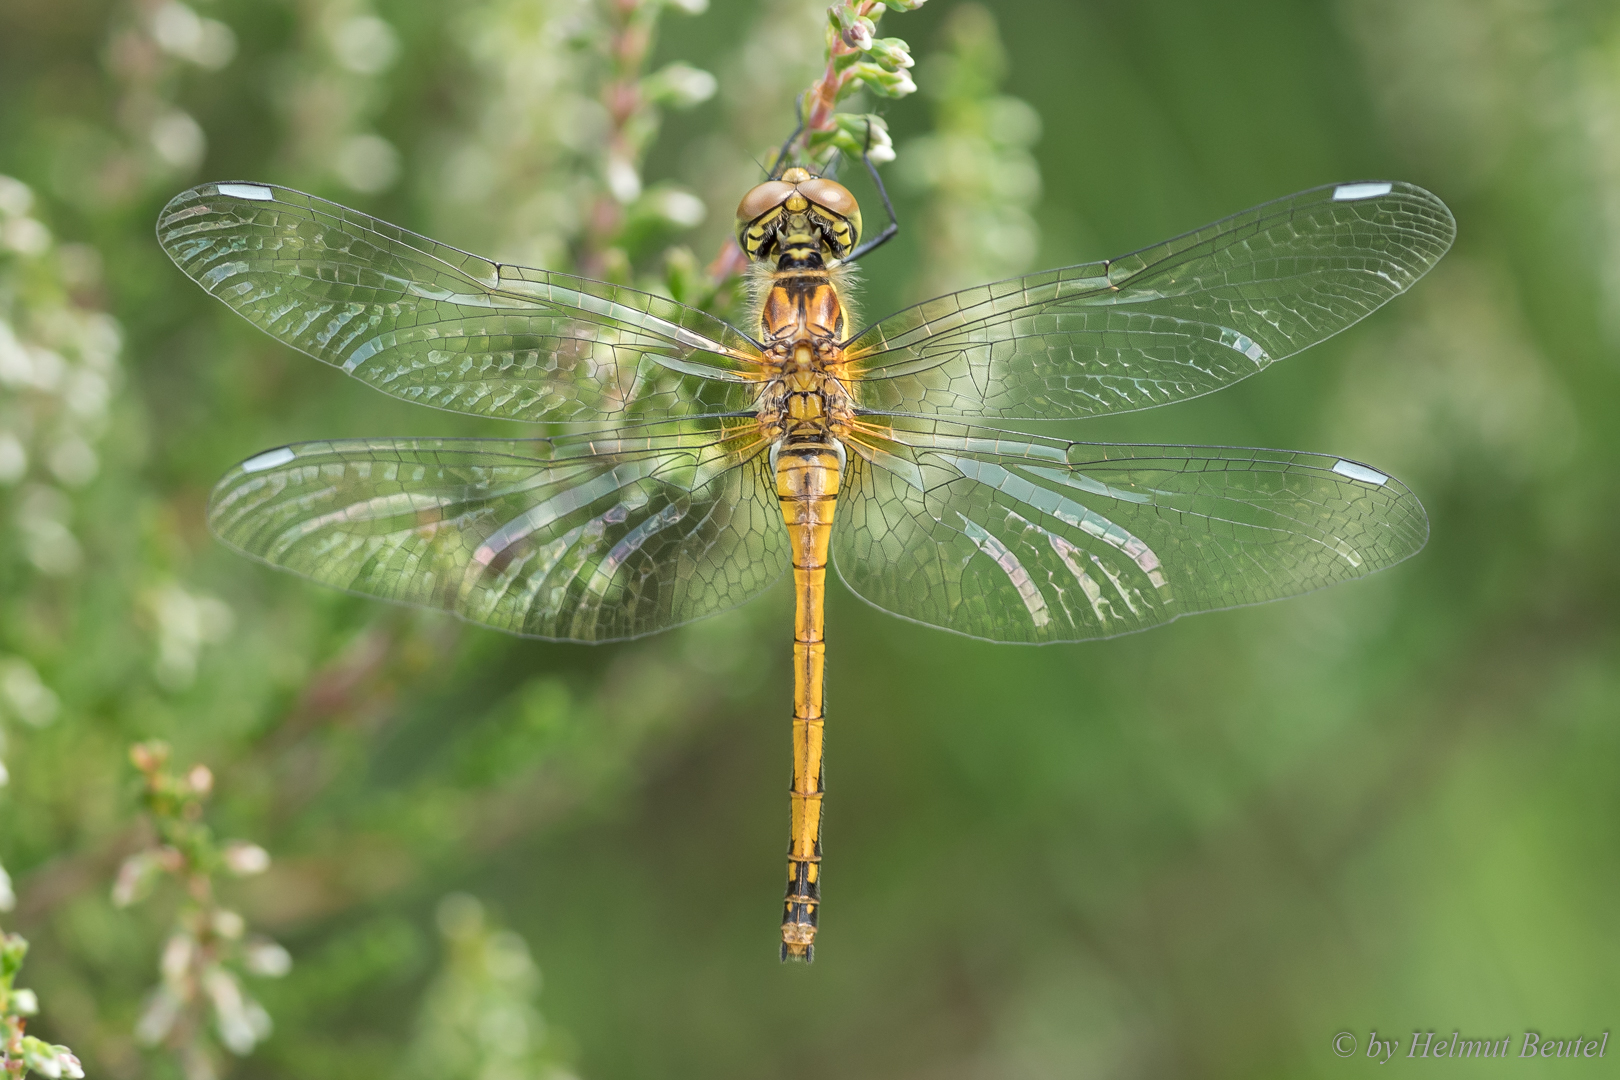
point(631, 99)
point(975, 166)
point(478, 1017)
point(209, 944)
point(630, 38)
point(340, 89)
point(152, 43)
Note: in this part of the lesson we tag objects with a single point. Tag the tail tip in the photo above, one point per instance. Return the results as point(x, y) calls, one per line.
point(798, 942)
point(803, 953)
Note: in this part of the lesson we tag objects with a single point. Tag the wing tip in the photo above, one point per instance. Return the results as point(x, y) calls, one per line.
point(190, 203)
point(1368, 190)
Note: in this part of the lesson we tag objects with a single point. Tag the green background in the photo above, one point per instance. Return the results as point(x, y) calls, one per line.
point(1200, 851)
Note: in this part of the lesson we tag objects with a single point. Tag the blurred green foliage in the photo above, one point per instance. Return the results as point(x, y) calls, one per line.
point(1197, 852)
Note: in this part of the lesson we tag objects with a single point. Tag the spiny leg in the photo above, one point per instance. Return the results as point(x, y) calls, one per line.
point(894, 223)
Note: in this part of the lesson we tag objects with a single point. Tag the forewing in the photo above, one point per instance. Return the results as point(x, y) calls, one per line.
point(431, 324)
point(1168, 323)
point(582, 539)
point(1013, 538)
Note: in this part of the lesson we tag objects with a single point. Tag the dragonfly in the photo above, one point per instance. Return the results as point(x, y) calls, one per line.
point(689, 463)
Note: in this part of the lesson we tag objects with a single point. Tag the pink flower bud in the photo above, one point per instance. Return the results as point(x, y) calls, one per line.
point(859, 34)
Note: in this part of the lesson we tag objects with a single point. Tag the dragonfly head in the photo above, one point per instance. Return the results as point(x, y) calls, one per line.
point(800, 220)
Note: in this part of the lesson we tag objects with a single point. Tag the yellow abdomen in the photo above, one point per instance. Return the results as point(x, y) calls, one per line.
point(807, 484)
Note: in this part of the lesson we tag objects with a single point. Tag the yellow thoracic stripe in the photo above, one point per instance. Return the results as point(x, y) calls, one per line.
point(754, 238)
point(840, 240)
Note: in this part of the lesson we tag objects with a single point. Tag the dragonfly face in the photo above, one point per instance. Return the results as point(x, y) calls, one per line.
point(799, 220)
point(708, 461)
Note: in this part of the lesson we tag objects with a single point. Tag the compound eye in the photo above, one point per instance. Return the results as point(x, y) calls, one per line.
point(762, 199)
point(830, 195)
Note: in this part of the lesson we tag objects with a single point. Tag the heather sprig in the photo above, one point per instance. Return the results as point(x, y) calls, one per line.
point(21, 1053)
point(633, 100)
point(857, 59)
point(974, 169)
point(209, 947)
point(478, 1017)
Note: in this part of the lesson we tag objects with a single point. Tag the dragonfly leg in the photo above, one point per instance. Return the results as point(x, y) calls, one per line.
point(893, 227)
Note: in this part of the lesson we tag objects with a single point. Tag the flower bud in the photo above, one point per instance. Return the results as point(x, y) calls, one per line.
point(177, 953)
point(200, 779)
point(264, 957)
point(244, 859)
point(858, 34)
point(13, 947)
point(149, 756)
point(679, 86)
point(228, 924)
point(241, 1021)
point(863, 134)
point(158, 1017)
point(135, 877)
point(677, 206)
point(895, 84)
point(53, 1062)
point(892, 54)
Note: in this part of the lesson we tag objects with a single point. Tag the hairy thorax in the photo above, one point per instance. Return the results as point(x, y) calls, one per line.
point(802, 320)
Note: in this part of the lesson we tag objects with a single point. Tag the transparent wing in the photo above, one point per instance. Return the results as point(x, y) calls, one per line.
point(1168, 323)
point(1008, 537)
point(431, 324)
point(578, 539)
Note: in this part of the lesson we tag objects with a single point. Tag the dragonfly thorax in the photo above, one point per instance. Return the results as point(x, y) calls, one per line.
point(802, 321)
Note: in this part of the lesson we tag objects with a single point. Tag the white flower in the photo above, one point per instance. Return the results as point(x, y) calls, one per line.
point(244, 859)
point(24, 695)
point(241, 1020)
point(228, 924)
point(15, 198)
point(177, 952)
point(677, 206)
point(162, 1010)
point(367, 162)
point(680, 85)
point(365, 44)
point(264, 957)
